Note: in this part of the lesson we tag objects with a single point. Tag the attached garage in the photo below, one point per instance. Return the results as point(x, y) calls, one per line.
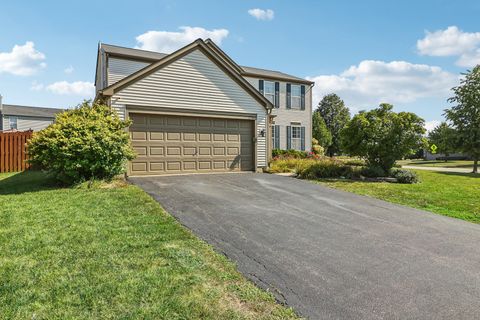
point(170, 144)
point(191, 112)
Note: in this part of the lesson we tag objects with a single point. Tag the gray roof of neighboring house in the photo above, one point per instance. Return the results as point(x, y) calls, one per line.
point(151, 55)
point(15, 110)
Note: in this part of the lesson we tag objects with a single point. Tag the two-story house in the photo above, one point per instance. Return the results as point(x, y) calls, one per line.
point(23, 118)
point(196, 110)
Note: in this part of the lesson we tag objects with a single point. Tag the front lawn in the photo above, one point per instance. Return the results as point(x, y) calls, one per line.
point(467, 164)
point(452, 194)
point(111, 252)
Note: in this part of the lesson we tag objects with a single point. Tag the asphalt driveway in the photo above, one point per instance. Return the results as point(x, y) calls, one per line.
point(328, 253)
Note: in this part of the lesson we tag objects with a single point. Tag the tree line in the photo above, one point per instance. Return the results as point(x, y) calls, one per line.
point(382, 136)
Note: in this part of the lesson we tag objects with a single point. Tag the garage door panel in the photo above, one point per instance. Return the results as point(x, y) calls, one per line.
point(189, 136)
point(138, 136)
point(204, 137)
point(176, 144)
point(157, 166)
point(157, 151)
point(189, 165)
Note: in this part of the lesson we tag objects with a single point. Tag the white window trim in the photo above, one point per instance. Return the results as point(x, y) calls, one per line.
point(10, 122)
point(296, 99)
point(296, 143)
point(265, 94)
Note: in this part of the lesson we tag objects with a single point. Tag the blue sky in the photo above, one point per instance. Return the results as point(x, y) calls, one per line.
point(408, 53)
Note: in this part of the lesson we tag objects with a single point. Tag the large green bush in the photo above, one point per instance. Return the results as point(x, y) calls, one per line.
point(381, 136)
point(89, 142)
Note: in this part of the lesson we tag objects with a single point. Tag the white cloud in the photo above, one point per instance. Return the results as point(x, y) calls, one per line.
point(452, 42)
point(261, 14)
point(23, 60)
point(80, 88)
point(36, 86)
point(167, 41)
point(69, 70)
point(373, 82)
point(430, 125)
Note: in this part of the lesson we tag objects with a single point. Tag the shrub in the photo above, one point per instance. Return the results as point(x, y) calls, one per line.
point(317, 148)
point(373, 172)
point(354, 162)
point(382, 136)
point(89, 142)
point(289, 164)
point(326, 168)
point(404, 176)
point(289, 153)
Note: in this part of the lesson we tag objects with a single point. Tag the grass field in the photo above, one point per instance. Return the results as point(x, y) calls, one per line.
point(452, 194)
point(111, 252)
point(434, 163)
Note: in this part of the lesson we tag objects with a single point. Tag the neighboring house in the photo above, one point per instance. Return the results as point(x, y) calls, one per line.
point(22, 118)
point(196, 110)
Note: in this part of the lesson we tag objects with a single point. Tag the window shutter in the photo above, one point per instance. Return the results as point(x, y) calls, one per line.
point(277, 137)
point(302, 101)
point(277, 94)
point(260, 86)
point(289, 137)
point(289, 96)
point(302, 133)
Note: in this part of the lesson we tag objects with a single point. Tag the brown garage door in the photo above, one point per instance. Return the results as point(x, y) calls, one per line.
point(180, 144)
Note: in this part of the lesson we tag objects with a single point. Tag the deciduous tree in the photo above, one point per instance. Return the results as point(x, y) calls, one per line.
point(381, 136)
point(336, 115)
point(444, 137)
point(320, 131)
point(465, 114)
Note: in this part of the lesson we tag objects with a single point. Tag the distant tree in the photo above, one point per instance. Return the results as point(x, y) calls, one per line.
point(381, 136)
point(465, 114)
point(444, 137)
point(336, 115)
point(320, 131)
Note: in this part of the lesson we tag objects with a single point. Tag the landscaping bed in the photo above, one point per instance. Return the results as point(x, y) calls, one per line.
point(311, 166)
point(109, 251)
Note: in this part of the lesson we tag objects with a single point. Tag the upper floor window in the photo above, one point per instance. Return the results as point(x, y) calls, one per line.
point(296, 94)
point(13, 123)
point(269, 91)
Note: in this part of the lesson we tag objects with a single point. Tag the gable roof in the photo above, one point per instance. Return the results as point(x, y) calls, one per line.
point(167, 59)
point(26, 111)
point(151, 56)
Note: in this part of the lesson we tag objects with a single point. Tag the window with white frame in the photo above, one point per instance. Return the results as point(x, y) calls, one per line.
point(296, 93)
point(13, 123)
point(296, 138)
point(269, 91)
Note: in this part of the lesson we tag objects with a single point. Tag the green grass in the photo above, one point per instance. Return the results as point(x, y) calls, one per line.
point(435, 163)
point(111, 252)
point(452, 194)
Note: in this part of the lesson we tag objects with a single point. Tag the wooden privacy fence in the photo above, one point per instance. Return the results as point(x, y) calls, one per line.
point(13, 153)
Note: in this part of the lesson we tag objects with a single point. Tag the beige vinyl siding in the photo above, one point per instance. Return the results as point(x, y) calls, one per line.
point(121, 110)
point(120, 68)
point(27, 123)
point(285, 117)
point(194, 82)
